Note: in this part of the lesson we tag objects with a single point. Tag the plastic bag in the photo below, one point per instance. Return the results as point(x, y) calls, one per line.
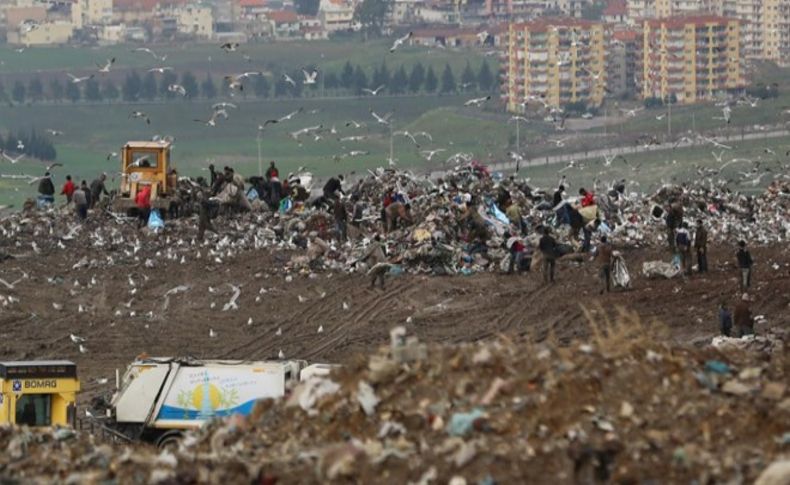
point(252, 195)
point(155, 220)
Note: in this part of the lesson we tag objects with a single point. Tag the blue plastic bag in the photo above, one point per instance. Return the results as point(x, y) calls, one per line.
point(155, 220)
point(252, 195)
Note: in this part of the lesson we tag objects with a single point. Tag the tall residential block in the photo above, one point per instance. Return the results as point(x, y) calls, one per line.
point(693, 58)
point(554, 61)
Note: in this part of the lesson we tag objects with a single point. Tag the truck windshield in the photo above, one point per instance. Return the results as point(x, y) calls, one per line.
point(143, 158)
point(34, 410)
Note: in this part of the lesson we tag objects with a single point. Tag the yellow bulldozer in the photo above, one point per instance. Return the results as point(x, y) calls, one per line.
point(147, 163)
point(38, 393)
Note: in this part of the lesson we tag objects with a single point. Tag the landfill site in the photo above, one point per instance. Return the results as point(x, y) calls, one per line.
point(409, 330)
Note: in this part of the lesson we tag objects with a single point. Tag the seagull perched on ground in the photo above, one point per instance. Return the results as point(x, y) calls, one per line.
point(178, 89)
point(477, 102)
point(559, 143)
point(77, 339)
point(77, 80)
point(309, 77)
point(399, 41)
point(140, 115)
point(106, 67)
point(149, 51)
point(383, 120)
point(373, 92)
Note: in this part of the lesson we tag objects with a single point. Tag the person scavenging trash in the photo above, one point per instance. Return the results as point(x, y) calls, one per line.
point(725, 319)
point(208, 207)
point(701, 245)
point(742, 317)
point(745, 263)
point(143, 202)
point(80, 198)
point(603, 257)
point(683, 246)
point(376, 259)
point(46, 191)
point(548, 249)
point(516, 248)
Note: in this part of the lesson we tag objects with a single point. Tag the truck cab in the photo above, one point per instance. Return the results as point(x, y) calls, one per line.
point(38, 393)
point(158, 398)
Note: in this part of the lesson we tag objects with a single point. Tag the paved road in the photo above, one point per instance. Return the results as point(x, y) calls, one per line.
point(627, 150)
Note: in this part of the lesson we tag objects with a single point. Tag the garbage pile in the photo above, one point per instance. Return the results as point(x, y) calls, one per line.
point(620, 408)
point(461, 223)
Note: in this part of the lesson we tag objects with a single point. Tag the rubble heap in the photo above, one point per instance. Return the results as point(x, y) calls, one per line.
point(620, 409)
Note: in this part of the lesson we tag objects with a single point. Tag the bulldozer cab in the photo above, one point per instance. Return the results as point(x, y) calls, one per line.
point(146, 163)
point(38, 393)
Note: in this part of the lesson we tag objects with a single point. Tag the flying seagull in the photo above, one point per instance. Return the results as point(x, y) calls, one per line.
point(399, 41)
point(77, 80)
point(309, 77)
point(373, 92)
point(178, 89)
point(477, 102)
point(149, 51)
point(106, 67)
point(140, 115)
point(384, 120)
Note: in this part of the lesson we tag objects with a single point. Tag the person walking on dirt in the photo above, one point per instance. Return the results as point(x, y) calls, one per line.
point(745, 264)
point(725, 319)
point(341, 219)
point(143, 202)
point(97, 189)
point(80, 199)
point(742, 317)
point(683, 245)
point(68, 189)
point(674, 220)
point(603, 257)
point(516, 248)
point(376, 259)
point(548, 249)
point(701, 245)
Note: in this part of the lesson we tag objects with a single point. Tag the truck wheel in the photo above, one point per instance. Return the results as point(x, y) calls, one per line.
point(169, 439)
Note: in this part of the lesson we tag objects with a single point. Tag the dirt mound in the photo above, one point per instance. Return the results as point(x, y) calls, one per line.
point(619, 408)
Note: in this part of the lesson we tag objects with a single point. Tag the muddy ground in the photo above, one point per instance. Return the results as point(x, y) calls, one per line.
point(121, 321)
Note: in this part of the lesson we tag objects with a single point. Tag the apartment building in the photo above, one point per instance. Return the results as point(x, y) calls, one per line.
point(692, 58)
point(558, 61)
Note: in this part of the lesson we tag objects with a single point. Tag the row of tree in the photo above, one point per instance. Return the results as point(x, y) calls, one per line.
point(350, 80)
point(30, 143)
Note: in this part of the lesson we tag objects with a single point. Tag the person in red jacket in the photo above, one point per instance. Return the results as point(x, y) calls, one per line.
point(68, 189)
point(143, 203)
point(588, 198)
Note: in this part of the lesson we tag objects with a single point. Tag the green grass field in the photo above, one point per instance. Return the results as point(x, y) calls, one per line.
point(326, 55)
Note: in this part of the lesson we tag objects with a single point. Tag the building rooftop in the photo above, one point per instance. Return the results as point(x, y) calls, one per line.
point(545, 24)
point(616, 7)
point(283, 16)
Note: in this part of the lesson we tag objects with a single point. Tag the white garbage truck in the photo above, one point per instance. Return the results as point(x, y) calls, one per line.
point(156, 399)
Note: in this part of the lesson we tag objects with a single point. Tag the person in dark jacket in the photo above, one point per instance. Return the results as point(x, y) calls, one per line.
point(674, 221)
point(212, 173)
point(332, 186)
point(46, 189)
point(86, 190)
point(272, 172)
point(725, 319)
point(701, 245)
point(745, 264)
point(341, 219)
point(548, 248)
point(97, 189)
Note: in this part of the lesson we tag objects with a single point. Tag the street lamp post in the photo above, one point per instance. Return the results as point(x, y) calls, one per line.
point(260, 160)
